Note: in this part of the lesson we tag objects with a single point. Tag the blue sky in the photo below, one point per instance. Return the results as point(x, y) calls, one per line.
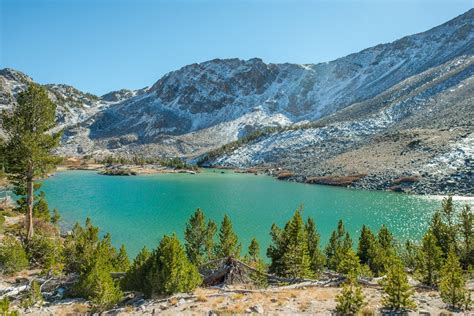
point(103, 45)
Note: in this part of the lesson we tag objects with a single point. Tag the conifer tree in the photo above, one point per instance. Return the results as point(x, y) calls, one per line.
point(228, 241)
point(398, 293)
point(349, 264)
point(254, 251)
point(316, 256)
point(12, 255)
point(409, 254)
point(27, 151)
point(41, 208)
point(275, 250)
point(430, 260)
point(122, 262)
point(254, 260)
point(209, 246)
point(289, 252)
point(296, 260)
point(56, 217)
point(452, 284)
point(171, 271)
point(467, 236)
point(199, 238)
point(385, 238)
point(135, 278)
point(351, 299)
point(443, 226)
point(339, 243)
point(98, 286)
point(366, 242)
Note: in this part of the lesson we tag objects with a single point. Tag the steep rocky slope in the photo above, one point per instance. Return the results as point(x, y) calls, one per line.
point(394, 110)
point(201, 106)
point(422, 127)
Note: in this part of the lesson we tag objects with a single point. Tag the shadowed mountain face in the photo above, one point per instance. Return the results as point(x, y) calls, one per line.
point(421, 81)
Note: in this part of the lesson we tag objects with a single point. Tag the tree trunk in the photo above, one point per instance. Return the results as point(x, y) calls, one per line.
point(29, 201)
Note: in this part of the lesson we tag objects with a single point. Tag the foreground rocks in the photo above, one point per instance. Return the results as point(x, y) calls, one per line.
point(304, 300)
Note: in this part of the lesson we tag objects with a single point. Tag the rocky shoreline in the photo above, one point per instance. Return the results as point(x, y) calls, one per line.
point(423, 185)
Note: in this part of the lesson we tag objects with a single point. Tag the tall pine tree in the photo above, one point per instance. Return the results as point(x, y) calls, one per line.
point(289, 252)
point(315, 254)
point(398, 293)
point(429, 260)
point(228, 245)
point(28, 149)
point(199, 238)
point(452, 285)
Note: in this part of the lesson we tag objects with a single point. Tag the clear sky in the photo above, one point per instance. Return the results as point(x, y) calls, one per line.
point(103, 45)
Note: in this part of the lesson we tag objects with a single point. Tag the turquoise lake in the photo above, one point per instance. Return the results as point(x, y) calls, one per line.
point(139, 210)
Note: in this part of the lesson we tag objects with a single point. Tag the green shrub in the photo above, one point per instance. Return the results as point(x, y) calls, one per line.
point(452, 284)
point(5, 308)
point(98, 286)
point(33, 297)
point(351, 299)
point(46, 253)
point(12, 256)
point(398, 293)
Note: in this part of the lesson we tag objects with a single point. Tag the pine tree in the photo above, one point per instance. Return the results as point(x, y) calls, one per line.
point(12, 255)
point(27, 151)
point(289, 252)
point(135, 278)
point(296, 260)
point(98, 286)
point(253, 259)
point(398, 293)
point(56, 217)
point(452, 285)
point(316, 256)
point(385, 238)
point(171, 271)
point(122, 263)
point(199, 238)
point(209, 244)
point(41, 208)
point(339, 243)
point(349, 264)
point(275, 250)
point(429, 260)
point(254, 251)
point(409, 254)
point(444, 227)
point(366, 241)
point(228, 245)
point(351, 299)
point(467, 236)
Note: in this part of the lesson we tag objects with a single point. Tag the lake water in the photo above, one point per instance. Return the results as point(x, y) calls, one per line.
point(139, 210)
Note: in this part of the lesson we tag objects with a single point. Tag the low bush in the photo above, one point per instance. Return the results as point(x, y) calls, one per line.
point(12, 256)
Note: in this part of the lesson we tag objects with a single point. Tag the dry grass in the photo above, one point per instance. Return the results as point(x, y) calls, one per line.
point(284, 175)
point(368, 311)
point(336, 180)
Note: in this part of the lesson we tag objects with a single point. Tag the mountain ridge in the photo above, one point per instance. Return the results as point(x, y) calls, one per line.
point(385, 89)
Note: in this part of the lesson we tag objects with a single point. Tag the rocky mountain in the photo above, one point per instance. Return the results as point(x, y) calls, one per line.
point(410, 101)
point(221, 100)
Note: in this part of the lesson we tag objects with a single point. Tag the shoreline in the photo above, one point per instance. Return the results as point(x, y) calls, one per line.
point(276, 173)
